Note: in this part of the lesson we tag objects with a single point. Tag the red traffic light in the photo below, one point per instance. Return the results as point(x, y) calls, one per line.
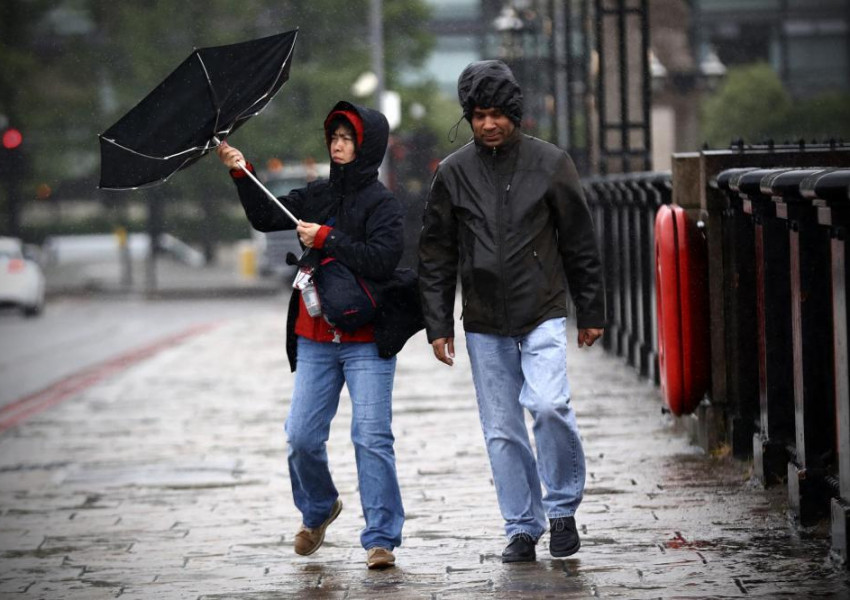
point(12, 138)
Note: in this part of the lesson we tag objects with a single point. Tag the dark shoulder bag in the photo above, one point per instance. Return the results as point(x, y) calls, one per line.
point(348, 301)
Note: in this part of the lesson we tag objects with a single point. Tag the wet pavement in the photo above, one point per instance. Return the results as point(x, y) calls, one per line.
point(167, 479)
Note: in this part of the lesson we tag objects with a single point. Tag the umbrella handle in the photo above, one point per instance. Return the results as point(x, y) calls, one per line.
point(268, 193)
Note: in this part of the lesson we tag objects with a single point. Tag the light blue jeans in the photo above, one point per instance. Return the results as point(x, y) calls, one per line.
point(529, 371)
point(322, 368)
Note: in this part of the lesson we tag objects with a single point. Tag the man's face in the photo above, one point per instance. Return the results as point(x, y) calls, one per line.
point(491, 126)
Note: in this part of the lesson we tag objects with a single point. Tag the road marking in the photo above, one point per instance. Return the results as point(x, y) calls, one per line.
point(23, 408)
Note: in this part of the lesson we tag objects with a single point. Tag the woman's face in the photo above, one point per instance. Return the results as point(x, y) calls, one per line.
point(342, 146)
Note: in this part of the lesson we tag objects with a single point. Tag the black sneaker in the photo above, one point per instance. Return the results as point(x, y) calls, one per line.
point(520, 549)
point(563, 537)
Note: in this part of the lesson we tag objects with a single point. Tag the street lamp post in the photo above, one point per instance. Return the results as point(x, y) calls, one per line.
point(517, 24)
point(376, 33)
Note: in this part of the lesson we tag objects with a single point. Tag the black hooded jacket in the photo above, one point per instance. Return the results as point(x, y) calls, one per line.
point(367, 235)
point(488, 84)
point(514, 221)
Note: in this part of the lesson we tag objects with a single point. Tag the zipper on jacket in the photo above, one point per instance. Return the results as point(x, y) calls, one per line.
point(500, 201)
point(536, 257)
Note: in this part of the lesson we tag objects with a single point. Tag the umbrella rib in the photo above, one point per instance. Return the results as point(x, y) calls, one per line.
point(215, 101)
point(159, 181)
point(205, 147)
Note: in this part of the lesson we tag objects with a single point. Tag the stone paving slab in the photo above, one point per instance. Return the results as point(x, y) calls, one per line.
point(169, 481)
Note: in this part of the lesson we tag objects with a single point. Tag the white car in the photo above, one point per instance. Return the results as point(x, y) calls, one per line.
point(21, 279)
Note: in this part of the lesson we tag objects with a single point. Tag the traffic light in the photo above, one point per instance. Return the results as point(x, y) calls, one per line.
point(12, 166)
point(11, 153)
point(12, 138)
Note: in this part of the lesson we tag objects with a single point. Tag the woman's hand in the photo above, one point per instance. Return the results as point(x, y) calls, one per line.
point(230, 156)
point(307, 232)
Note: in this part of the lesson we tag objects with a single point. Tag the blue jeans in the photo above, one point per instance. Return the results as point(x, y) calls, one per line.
point(529, 371)
point(322, 368)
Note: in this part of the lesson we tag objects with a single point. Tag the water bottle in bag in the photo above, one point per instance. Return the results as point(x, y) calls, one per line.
point(304, 283)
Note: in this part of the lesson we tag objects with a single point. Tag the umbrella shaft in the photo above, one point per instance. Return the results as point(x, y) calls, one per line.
point(268, 193)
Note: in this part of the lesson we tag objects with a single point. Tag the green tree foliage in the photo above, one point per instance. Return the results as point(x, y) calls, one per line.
point(753, 105)
point(824, 117)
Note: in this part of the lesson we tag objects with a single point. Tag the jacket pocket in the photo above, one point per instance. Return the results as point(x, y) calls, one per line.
point(540, 271)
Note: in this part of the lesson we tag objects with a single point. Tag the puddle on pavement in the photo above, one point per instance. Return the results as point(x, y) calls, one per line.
point(223, 472)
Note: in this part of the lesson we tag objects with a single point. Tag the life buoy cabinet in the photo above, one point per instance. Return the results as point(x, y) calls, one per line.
point(681, 288)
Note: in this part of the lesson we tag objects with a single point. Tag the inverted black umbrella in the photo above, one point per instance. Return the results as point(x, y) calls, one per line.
point(203, 101)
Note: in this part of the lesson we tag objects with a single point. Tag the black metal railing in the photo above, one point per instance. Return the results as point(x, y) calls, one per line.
point(775, 221)
point(624, 208)
point(798, 219)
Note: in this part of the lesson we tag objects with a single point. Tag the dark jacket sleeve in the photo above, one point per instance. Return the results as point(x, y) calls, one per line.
point(377, 256)
point(577, 245)
point(264, 214)
point(438, 261)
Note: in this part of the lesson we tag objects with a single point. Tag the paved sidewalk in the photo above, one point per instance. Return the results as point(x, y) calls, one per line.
point(169, 480)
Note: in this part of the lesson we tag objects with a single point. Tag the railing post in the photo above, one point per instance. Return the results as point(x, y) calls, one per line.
point(643, 268)
point(773, 324)
point(830, 193)
point(627, 269)
point(739, 307)
point(658, 193)
point(811, 326)
point(614, 266)
point(599, 194)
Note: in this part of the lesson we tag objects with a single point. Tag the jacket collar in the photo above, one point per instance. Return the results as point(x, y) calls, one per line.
point(511, 143)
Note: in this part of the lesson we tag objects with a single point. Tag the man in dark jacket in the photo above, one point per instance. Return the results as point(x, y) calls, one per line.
point(509, 211)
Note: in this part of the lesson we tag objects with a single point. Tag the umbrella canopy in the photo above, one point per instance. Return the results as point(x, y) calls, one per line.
point(208, 97)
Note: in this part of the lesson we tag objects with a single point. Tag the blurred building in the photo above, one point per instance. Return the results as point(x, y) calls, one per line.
point(806, 41)
point(460, 32)
point(555, 47)
point(549, 44)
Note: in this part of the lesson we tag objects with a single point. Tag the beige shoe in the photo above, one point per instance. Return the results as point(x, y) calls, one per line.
point(309, 540)
point(379, 558)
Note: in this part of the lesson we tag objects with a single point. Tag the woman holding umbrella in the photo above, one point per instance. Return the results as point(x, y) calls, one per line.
point(354, 219)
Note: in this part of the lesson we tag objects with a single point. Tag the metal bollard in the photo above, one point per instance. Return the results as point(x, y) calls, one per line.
point(247, 257)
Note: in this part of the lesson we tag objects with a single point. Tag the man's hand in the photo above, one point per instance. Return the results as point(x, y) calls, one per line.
point(444, 350)
point(586, 337)
point(230, 156)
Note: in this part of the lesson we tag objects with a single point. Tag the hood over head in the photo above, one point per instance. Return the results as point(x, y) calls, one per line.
point(490, 84)
point(372, 132)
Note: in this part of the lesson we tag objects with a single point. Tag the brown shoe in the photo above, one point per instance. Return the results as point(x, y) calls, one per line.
point(309, 540)
point(379, 558)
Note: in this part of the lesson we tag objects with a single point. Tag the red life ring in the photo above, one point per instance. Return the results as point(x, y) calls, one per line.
point(681, 288)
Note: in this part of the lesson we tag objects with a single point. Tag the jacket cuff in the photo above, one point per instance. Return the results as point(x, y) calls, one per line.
point(239, 173)
point(591, 321)
point(437, 334)
point(323, 233)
